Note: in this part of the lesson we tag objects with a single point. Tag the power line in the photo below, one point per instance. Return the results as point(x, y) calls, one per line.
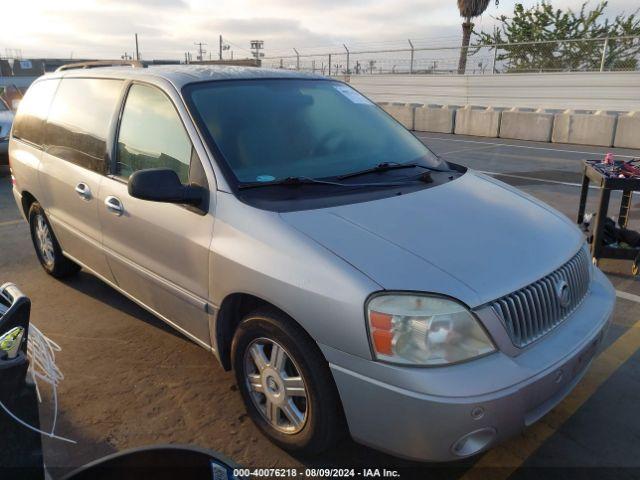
point(237, 46)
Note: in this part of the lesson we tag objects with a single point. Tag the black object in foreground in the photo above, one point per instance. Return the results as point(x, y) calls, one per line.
point(20, 448)
point(158, 463)
point(15, 310)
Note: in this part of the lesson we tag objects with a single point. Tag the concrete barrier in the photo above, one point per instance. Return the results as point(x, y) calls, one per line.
point(628, 131)
point(435, 118)
point(478, 121)
point(527, 124)
point(402, 112)
point(585, 128)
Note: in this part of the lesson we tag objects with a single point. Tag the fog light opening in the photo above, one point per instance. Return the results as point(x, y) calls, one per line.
point(473, 442)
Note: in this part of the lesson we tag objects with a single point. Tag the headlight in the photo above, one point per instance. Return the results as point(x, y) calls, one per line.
point(413, 329)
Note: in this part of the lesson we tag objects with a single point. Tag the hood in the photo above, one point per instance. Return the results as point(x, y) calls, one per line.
point(6, 119)
point(474, 239)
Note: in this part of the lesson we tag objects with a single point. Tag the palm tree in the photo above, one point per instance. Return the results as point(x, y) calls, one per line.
point(469, 9)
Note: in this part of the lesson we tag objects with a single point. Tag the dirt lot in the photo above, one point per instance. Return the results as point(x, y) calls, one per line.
point(132, 381)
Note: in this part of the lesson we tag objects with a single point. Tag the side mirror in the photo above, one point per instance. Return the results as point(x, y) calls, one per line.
point(163, 185)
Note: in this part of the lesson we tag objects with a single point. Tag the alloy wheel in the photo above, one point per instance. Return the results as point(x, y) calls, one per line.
point(276, 386)
point(44, 241)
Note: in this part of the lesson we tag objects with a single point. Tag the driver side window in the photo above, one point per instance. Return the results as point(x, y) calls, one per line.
point(151, 135)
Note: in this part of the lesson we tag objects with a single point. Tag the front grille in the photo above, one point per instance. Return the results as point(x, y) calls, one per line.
point(535, 310)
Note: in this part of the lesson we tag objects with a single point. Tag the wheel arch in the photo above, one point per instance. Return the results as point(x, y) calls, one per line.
point(27, 200)
point(233, 309)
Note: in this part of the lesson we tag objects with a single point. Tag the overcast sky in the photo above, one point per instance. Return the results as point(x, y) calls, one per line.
point(167, 28)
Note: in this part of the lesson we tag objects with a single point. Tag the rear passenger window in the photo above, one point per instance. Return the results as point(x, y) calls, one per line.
point(32, 112)
point(79, 121)
point(151, 135)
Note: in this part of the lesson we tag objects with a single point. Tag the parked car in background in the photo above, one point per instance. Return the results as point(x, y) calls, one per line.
point(6, 120)
point(352, 279)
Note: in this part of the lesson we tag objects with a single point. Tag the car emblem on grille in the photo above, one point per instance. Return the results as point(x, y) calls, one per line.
point(563, 294)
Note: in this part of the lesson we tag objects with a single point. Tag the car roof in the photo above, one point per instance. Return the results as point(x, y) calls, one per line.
point(180, 75)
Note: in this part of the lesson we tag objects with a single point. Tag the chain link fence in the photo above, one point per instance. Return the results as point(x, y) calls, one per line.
point(588, 55)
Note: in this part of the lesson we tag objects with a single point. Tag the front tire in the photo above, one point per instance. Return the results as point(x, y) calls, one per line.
point(285, 383)
point(46, 245)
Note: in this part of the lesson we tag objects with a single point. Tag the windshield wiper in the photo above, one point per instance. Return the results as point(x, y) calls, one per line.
point(382, 167)
point(313, 181)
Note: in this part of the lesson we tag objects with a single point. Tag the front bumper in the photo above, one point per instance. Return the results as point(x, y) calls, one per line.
point(423, 413)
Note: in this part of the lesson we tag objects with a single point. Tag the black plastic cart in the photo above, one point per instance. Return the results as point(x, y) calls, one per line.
point(608, 184)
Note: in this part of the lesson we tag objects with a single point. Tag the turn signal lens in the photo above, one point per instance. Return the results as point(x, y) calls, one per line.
point(382, 341)
point(381, 321)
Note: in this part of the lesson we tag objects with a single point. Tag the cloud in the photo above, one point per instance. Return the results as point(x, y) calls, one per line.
point(168, 28)
point(147, 3)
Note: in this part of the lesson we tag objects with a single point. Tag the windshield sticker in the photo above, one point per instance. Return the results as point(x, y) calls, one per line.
point(352, 95)
point(265, 178)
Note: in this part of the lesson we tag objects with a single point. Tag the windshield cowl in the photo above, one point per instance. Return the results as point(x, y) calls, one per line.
point(305, 196)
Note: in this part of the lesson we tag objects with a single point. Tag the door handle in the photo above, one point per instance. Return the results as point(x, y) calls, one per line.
point(83, 190)
point(114, 205)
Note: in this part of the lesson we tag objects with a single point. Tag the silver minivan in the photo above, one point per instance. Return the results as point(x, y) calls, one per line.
point(351, 279)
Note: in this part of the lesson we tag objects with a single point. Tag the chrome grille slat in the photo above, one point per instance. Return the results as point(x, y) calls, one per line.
point(535, 310)
point(539, 293)
point(535, 313)
point(520, 310)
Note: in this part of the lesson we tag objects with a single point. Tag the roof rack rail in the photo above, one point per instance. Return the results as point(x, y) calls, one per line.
point(101, 63)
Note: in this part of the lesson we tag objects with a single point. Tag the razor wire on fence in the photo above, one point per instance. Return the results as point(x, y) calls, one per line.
point(586, 55)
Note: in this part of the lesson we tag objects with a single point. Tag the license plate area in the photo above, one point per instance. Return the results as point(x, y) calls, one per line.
point(557, 385)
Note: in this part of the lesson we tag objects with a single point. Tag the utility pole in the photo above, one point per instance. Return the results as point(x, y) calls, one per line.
point(137, 50)
point(201, 51)
point(220, 49)
point(256, 47)
point(348, 54)
point(413, 51)
point(297, 59)
point(495, 50)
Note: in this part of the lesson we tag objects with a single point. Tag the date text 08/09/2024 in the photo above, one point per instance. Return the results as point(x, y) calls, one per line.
point(316, 472)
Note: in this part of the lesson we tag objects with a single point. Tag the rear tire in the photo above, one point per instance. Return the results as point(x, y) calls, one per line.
point(292, 399)
point(46, 245)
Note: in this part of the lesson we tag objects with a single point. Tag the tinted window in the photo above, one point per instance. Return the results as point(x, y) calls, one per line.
point(151, 135)
point(272, 129)
point(79, 121)
point(33, 109)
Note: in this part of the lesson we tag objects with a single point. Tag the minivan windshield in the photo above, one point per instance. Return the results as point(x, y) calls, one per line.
point(275, 129)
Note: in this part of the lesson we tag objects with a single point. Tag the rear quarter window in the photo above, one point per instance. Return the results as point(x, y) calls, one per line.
point(28, 124)
point(79, 121)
